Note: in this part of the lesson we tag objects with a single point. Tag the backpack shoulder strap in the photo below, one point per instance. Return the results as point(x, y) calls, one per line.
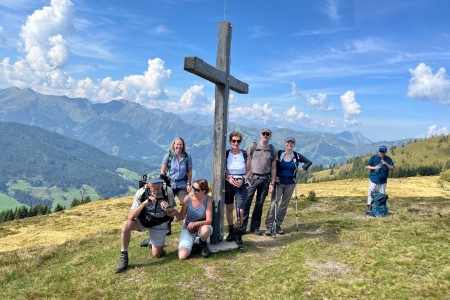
point(279, 154)
point(252, 149)
point(186, 161)
point(244, 153)
point(227, 153)
point(272, 150)
point(169, 159)
point(297, 158)
point(168, 195)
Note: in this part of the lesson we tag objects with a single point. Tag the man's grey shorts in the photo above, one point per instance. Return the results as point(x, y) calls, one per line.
point(157, 233)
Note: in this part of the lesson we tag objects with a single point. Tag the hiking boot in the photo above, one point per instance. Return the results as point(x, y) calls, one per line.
point(280, 231)
point(196, 249)
point(205, 249)
point(123, 262)
point(169, 228)
point(256, 231)
point(268, 232)
point(146, 242)
point(231, 233)
point(238, 239)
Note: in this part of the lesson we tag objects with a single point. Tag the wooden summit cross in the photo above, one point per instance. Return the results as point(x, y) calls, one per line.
point(221, 77)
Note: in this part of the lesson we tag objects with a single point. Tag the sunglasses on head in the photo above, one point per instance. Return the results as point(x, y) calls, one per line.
point(266, 134)
point(236, 141)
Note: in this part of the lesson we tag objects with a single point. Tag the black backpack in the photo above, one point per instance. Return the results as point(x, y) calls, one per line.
point(143, 180)
point(146, 219)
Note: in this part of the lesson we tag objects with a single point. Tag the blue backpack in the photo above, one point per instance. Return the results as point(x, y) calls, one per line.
point(380, 208)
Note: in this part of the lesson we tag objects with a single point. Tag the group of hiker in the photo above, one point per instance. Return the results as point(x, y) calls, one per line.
point(260, 169)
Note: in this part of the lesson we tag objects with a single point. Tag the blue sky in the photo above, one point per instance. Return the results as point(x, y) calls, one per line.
point(378, 67)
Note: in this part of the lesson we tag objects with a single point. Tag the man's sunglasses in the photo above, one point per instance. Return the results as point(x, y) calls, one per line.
point(266, 134)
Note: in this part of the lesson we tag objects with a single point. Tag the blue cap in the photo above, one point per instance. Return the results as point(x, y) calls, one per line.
point(156, 180)
point(382, 149)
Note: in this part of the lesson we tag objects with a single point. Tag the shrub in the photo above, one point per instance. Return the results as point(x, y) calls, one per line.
point(311, 196)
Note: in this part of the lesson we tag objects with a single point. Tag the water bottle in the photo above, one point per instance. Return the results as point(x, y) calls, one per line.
point(380, 165)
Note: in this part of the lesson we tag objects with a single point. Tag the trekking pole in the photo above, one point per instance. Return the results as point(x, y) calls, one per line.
point(238, 232)
point(274, 226)
point(296, 207)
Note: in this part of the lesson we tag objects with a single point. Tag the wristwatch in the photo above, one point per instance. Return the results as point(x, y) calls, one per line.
point(189, 183)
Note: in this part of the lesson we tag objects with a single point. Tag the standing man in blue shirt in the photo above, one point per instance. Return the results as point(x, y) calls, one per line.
point(379, 165)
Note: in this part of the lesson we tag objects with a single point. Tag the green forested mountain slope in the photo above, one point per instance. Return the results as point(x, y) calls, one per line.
point(32, 157)
point(425, 157)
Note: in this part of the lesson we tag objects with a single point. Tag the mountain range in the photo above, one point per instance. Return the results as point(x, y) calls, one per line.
point(131, 131)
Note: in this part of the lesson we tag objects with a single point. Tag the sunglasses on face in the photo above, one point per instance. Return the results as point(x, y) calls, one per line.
point(382, 151)
point(235, 141)
point(196, 190)
point(266, 134)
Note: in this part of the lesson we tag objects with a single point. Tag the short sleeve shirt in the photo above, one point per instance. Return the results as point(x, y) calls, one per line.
point(261, 158)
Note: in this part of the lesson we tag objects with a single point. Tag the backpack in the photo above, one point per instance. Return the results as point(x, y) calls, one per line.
point(148, 218)
point(380, 208)
point(255, 148)
point(186, 158)
point(296, 162)
point(244, 153)
point(143, 180)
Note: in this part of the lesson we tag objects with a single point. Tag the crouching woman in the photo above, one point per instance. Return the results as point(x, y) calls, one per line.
point(196, 211)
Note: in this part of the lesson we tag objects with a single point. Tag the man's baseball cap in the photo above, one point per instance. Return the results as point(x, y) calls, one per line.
point(156, 180)
point(266, 130)
point(382, 149)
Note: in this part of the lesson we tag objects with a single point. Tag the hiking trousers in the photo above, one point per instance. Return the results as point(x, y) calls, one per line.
point(284, 194)
point(373, 187)
point(260, 186)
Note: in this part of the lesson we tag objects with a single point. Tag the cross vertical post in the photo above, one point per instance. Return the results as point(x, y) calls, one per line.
point(224, 82)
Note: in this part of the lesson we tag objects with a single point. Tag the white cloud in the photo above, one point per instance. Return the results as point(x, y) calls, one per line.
point(426, 85)
point(331, 9)
point(2, 38)
point(263, 113)
point(317, 101)
point(350, 122)
point(193, 100)
point(46, 52)
point(433, 131)
point(43, 42)
point(351, 107)
point(292, 115)
point(162, 30)
point(320, 102)
point(257, 32)
point(294, 90)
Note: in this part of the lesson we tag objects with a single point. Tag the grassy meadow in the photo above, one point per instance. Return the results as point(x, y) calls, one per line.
point(337, 252)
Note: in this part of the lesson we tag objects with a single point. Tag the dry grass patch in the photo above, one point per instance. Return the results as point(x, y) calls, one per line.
point(429, 186)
